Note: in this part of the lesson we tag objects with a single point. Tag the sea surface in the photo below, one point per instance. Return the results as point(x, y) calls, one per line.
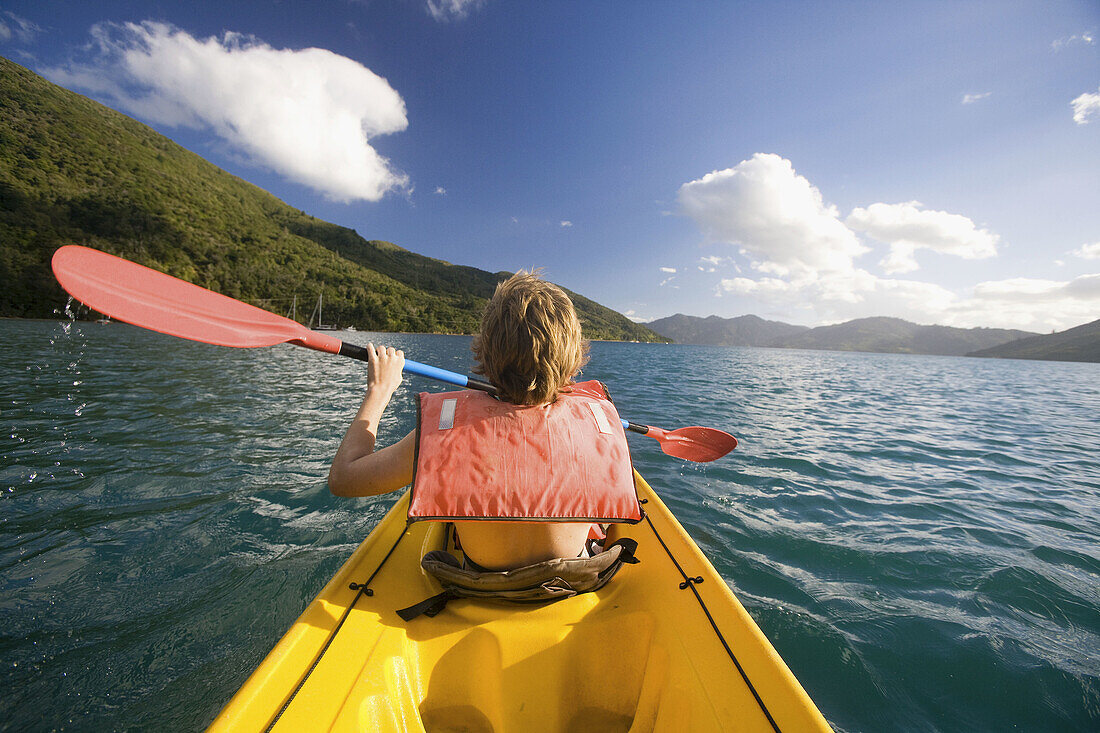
point(918, 536)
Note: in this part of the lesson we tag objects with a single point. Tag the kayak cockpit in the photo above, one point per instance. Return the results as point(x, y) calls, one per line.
point(654, 650)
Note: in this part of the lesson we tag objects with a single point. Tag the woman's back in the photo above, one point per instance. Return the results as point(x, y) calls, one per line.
point(506, 545)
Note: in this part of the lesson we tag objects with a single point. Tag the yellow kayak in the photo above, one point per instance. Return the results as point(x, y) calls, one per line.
point(665, 646)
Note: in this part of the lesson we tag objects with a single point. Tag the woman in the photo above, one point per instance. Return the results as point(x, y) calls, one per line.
point(530, 348)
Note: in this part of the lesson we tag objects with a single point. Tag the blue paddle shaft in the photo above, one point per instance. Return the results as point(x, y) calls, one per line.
point(440, 375)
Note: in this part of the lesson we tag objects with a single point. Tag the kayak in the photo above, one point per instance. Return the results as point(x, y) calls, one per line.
point(665, 646)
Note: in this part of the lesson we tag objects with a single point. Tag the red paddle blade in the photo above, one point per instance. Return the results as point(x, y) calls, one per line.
point(694, 443)
point(143, 297)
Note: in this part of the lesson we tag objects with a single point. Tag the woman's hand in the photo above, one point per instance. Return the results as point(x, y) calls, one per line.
point(384, 365)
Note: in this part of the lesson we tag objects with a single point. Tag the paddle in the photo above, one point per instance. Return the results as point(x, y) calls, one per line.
point(138, 295)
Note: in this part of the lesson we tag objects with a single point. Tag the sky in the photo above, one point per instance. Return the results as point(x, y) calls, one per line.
point(807, 162)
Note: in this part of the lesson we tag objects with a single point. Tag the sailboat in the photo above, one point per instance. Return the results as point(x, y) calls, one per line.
point(321, 325)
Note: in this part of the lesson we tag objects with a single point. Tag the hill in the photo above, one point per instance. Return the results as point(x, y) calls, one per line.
point(715, 331)
point(882, 335)
point(1081, 343)
point(896, 336)
point(74, 171)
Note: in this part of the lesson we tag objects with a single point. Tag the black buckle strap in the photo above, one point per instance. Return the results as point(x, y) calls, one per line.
point(429, 607)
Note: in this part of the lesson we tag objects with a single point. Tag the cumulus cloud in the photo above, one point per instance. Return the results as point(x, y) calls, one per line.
point(854, 294)
point(908, 227)
point(1088, 251)
point(804, 257)
point(1085, 106)
point(440, 191)
point(775, 215)
point(16, 28)
point(307, 114)
point(566, 223)
point(1032, 304)
point(972, 98)
point(1021, 303)
point(445, 10)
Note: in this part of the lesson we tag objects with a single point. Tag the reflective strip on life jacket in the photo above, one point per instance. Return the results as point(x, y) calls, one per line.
point(480, 458)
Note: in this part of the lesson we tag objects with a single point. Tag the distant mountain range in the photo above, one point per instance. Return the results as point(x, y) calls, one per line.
point(895, 336)
point(1075, 344)
point(715, 331)
point(881, 335)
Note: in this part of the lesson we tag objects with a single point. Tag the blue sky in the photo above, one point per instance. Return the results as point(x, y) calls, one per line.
point(805, 162)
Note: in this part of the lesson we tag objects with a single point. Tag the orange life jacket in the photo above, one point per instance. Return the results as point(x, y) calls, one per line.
point(480, 458)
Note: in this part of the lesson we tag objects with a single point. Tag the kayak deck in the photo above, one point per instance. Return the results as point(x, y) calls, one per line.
point(656, 649)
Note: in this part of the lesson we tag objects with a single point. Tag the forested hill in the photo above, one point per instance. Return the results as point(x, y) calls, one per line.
point(884, 335)
point(717, 331)
point(1075, 344)
point(74, 171)
point(895, 336)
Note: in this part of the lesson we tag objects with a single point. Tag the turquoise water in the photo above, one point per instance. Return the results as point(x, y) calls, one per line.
point(918, 536)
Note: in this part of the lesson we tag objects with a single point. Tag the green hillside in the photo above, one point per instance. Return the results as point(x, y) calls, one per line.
point(1081, 343)
point(74, 171)
point(895, 336)
point(717, 331)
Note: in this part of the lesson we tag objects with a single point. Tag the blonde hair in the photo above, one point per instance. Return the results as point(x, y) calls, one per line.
point(530, 344)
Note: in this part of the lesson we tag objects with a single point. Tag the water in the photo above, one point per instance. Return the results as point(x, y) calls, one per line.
point(918, 536)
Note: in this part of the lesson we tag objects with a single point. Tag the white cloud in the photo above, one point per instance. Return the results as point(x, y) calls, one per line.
point(1020, 303)
point(13, 27)
point(1037, 305)
point(671, 270)
point(565, 223)
point(908, 227)
point(307, 114)
point(1085, 106)
point(804, 256)
point(1086, 38)
point(1088, 251)
point(444, 10)
point(711, 263)
point(440, 191)
point(774, 214)
point(972, 98)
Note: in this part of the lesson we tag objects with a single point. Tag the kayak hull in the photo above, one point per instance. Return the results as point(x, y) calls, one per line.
point(665, 646)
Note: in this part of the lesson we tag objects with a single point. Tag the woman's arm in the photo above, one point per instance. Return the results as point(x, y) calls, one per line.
point(357, 469)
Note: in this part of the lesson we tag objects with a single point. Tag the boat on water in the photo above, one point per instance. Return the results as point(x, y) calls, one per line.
point(321, 325)
point(664, 646)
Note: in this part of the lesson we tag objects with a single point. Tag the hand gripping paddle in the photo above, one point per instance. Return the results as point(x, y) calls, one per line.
point(138, 295)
